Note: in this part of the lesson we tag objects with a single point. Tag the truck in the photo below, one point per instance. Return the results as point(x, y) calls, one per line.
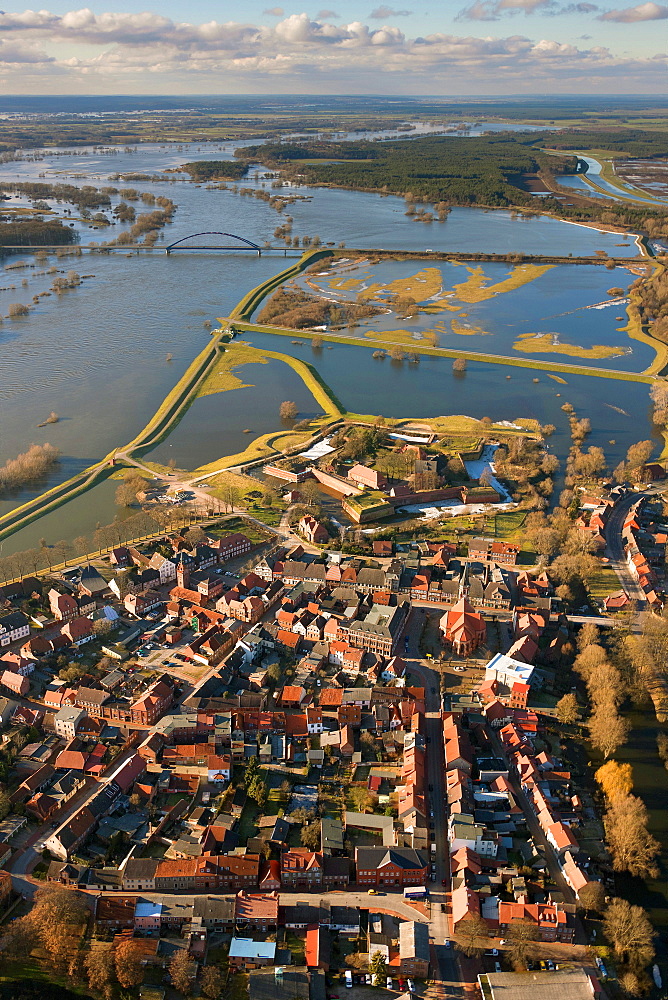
point(416, 892)
point(433, 848)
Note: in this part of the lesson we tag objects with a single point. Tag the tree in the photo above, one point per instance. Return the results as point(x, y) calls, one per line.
point(630, 932)
point(101, 627)
point(19, 938)
point(592, 897)
point(252, 769)
point(588, 659)
point(459, 365)
point(522, 940)
point(608, 730)
point(196, 536)
point(126, 492)
point(310, 836)
point(632, 846)
point(615, 779)
point(211, 981)
point(127, 960)
point(180, 969)
point(287, 410)
point(100, 971)
point(378, 968)
point(472, 936)
point(638, 455)
point(567, 709)
point(588, 636)
point(5, 805)
point(258, 790)
point(310, 492)
point(362, 799)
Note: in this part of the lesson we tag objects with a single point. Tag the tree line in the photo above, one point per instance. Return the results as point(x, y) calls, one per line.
point(28, 467)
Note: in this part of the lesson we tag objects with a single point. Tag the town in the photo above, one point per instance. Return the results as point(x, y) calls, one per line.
point(286, 769)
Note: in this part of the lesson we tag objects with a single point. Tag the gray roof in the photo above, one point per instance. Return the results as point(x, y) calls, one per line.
point(414, 940)
point(214, 908)
point(331, 834)
point(141, 868)
point(405, 857)
point(279, 983)
point(570, 984)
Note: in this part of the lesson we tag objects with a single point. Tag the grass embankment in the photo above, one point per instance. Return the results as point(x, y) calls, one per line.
point(222, 377)
point(177, 401)
point(49, 501)
point(446, 352)
point(637, 331)
point(249, 303)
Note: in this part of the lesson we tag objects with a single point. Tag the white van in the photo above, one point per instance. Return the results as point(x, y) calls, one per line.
point(349, 979)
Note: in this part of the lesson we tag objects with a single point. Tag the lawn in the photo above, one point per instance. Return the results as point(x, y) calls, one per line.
point(239, 524)
point(297, 946)
point(248, 820)
point(603, 583)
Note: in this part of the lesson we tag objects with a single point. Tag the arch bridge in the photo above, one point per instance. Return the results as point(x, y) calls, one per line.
point(247, 244)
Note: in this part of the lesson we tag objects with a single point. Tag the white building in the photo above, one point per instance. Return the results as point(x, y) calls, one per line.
point(65, 721)
point(506, 671)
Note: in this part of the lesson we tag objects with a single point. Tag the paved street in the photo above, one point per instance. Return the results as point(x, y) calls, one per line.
point(615, 546)
point(446, 971)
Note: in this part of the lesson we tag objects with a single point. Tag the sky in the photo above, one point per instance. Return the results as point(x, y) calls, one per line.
point(474, 47)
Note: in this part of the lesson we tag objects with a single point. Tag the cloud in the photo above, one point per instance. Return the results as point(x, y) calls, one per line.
point(149, 53)
point(631, 15)
point(383, 13)
point(493, 10)
point(325, 15)
point(274, 11)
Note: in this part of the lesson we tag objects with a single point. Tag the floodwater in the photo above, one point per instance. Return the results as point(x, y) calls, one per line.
point(96, 355)
point(569, 304)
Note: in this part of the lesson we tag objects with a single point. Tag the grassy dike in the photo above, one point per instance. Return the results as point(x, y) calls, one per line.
point(446, 352)
point(168, 414)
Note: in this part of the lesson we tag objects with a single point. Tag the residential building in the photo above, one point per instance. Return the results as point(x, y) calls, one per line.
point(393, 866)
point(247, 954)
point(414, 949)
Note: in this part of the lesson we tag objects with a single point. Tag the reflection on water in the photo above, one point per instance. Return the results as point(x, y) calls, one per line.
point(214, 425)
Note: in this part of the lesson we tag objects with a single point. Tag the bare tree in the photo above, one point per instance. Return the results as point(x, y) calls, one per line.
point(522, 941)
point(287, 410)
point(630, 932)
point(472, 936)
point(632, 846)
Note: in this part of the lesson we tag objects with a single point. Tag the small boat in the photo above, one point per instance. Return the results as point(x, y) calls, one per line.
point(657, 976)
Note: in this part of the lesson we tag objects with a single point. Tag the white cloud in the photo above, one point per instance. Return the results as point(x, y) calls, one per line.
point(492, 10)
point(274, 11)
point(384, 13)
point(152, 53)
point(643, 12)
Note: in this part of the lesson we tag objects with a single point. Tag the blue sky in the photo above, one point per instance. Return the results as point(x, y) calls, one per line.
point(475, 47)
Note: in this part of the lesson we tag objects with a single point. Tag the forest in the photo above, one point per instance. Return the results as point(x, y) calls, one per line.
point(215, 170)
point(482, 171)
point(635, 142)
point(462, 171)
point(35, 232)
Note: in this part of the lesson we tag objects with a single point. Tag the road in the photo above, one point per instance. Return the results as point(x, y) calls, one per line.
point(615, 546)
point(535, 828)
point(446, 971)
point(25, 860)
